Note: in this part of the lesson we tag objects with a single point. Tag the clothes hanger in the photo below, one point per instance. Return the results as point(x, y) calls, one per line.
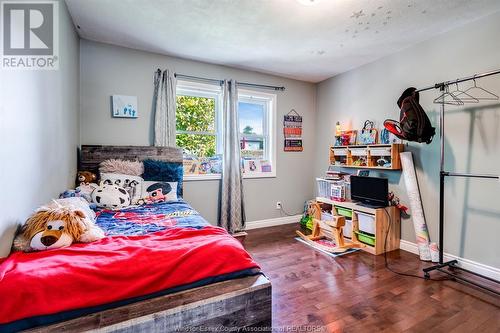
point(448, 98)
point(489, 95)
point(466, 98)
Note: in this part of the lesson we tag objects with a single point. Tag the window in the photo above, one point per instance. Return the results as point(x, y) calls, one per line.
point(199, 131)
point(198, 127)
point(257, 140)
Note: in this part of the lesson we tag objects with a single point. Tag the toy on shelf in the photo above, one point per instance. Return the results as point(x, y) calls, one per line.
point(306, 221)
point(332, 189)
point(375, 156)
point(344, 138)
point(337, 191)
point(328, 229)
point(383, 162)
point(394, 201)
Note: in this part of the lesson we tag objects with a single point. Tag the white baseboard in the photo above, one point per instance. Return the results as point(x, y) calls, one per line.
point(476, 267)
point(408, 246)
point(273, 222)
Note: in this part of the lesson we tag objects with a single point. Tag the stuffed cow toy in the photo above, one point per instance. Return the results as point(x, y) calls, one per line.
point(110, 196)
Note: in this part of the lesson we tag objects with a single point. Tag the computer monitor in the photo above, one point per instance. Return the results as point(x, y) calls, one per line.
point(370, 191)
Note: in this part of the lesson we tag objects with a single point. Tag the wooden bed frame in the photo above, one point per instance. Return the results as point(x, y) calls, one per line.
point(90, 156)
point(239, 303)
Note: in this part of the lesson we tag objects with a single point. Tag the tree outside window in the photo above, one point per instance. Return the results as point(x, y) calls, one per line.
point(196, 125)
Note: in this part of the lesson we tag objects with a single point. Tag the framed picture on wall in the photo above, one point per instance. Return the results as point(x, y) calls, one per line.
point(124, 106)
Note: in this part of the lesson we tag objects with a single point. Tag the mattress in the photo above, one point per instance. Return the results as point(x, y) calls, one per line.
point(149, 251)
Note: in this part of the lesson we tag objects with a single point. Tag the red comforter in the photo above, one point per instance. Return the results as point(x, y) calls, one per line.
point(113, 269)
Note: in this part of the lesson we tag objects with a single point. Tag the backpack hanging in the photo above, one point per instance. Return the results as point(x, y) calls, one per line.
point(413, 124)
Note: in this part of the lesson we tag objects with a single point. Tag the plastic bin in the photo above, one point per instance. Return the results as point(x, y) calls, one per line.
point(344, 211)
point(359, 152)
point(366, 239)
point(366, 223)
point(340, 151)
point(324, 187)
point(386, 151)
point(325, 216)
point(348, 228)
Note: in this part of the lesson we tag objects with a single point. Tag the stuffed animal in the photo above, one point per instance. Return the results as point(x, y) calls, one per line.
point(394, 201)
point(80, 192)
point(76, 193)
point(85, 178)
point(52, 228)
point(110, 196)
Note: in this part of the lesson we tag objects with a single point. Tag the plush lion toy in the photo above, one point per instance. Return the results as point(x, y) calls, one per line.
point(55, 227)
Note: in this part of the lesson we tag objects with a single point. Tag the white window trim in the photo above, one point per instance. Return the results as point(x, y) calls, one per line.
point(208, 90)
point(210, 176)
point(270, 123)
point(256, 175)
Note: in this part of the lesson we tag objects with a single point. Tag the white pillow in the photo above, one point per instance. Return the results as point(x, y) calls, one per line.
point(75, 203)
point(132, 184)
point(158, 191)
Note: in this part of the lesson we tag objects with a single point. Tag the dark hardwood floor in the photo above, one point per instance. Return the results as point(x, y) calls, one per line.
point(356, 293)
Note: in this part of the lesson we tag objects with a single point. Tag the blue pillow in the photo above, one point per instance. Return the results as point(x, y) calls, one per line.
point(155, 170)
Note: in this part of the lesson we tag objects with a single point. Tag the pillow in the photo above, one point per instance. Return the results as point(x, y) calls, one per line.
point(133, 168)
point(75, 203)
point(158, 191)
point(132, 184)
point(156, 170)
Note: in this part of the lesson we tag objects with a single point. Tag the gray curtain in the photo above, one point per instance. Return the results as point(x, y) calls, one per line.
point(231, 212)
point(164, 101)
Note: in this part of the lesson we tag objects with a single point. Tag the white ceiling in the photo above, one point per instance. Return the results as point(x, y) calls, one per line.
point(281, 37)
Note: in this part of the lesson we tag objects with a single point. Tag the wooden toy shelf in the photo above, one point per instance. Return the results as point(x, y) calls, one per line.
point(378, 156)
point(362, 217)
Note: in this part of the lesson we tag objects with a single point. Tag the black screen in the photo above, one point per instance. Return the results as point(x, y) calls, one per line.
point(370, 190)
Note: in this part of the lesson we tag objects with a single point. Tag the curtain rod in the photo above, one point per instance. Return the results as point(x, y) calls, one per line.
point(197, 78)
point(467, 78)
point(261, 86)
point(220, 82)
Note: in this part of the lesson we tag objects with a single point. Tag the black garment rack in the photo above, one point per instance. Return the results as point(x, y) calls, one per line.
point(452, 265)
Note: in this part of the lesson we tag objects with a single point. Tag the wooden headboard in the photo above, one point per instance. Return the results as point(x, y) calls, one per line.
point(91, 156)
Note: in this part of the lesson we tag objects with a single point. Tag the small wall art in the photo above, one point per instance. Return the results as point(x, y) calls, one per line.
point(292, 131)
point(124, 106)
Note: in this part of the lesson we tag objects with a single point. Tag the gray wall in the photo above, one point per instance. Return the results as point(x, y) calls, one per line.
point(39, 132)
point(472, 132)
point(108, 70)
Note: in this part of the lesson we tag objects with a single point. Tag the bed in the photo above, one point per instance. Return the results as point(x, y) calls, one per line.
point(162, 268)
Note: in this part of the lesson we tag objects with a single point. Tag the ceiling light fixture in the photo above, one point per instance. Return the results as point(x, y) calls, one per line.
point(308, 2)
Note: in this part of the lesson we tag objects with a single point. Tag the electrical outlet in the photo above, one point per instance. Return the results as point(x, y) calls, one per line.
point(278, 205)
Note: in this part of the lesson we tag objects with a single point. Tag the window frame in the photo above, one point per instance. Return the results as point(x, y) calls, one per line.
point(189, 88)
point(269, 127)
point(196, 89)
